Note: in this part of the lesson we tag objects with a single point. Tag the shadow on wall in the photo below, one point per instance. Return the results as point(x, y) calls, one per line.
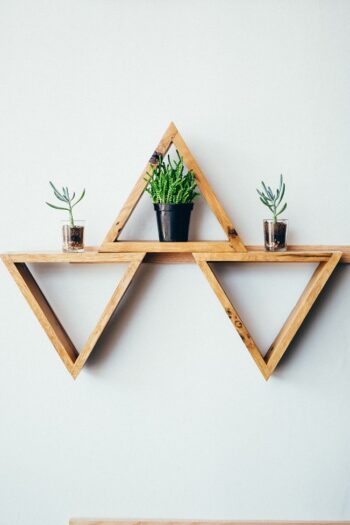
point(119, 322)
point(319, 310)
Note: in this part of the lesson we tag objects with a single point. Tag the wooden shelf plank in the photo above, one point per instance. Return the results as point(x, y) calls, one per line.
point(89, 256)
point(139, 188)
point(184, 255)
point(266, 257)
point(166, 247)
point(344, 248)
point(327, 263)
point(109, 310)
point(213, 247)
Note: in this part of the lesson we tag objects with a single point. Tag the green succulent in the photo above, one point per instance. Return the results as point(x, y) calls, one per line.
point(273, 201)
point(167, 183)
point(67, 199)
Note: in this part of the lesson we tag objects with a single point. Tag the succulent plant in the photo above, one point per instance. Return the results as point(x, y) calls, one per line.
point(167, 184)
point(273, 201)
point(68, 201)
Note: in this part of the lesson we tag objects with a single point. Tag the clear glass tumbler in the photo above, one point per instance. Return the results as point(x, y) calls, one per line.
point(275, 235)
point(73, 236)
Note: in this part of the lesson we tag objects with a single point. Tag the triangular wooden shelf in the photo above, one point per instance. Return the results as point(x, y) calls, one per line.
point(17, 266)
point(203, 253)
point(172, 136)
point(72, 359)
point(326, 264)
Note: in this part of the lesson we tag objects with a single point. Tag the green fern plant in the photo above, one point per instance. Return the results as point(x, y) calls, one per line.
point(67, 199)
point(273, 201)
point(167, 183)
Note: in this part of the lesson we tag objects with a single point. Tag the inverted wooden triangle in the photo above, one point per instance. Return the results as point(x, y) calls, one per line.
point(327, 263)
point(72, 359)
point(172, 136)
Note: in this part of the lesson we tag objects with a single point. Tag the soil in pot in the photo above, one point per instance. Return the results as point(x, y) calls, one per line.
point(275, 235)
point(73, 238)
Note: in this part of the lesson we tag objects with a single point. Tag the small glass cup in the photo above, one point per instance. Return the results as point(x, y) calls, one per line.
point(73, 236)
point(275, 235)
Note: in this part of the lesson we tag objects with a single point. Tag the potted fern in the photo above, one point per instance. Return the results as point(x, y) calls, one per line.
point(72, 230)
point(275, 229)
point(172, 192)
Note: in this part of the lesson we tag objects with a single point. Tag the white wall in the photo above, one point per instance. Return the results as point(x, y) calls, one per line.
point(171, 418)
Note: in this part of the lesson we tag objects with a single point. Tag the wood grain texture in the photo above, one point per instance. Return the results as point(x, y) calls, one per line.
point(91, 256)
point(265, 257)
point(268, 363)
point(233, 315)
point(139, 187)
point(65, 348)
point(344, 248)
point(183, 248)
point(209, 195)
point(183, 254)
point(17, 266)
point(166, 247)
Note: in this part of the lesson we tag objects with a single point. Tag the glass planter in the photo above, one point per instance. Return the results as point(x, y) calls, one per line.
point(73, 236)
point(275, 235)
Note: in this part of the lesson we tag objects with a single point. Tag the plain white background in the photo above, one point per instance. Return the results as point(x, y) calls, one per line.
point(171, 418)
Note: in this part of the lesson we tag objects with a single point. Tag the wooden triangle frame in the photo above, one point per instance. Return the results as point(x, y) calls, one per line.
point(172, 136)
point(203, 253)
point(327, 263)
point(72, 359)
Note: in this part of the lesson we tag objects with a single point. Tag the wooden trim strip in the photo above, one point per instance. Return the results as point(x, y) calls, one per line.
point(166, 247)
point(86, 521)
point(266, 257)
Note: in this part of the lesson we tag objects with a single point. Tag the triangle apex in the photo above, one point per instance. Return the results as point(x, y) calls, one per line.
point(172, 125)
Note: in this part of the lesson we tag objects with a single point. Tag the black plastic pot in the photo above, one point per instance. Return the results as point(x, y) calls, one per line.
point(173, 221)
